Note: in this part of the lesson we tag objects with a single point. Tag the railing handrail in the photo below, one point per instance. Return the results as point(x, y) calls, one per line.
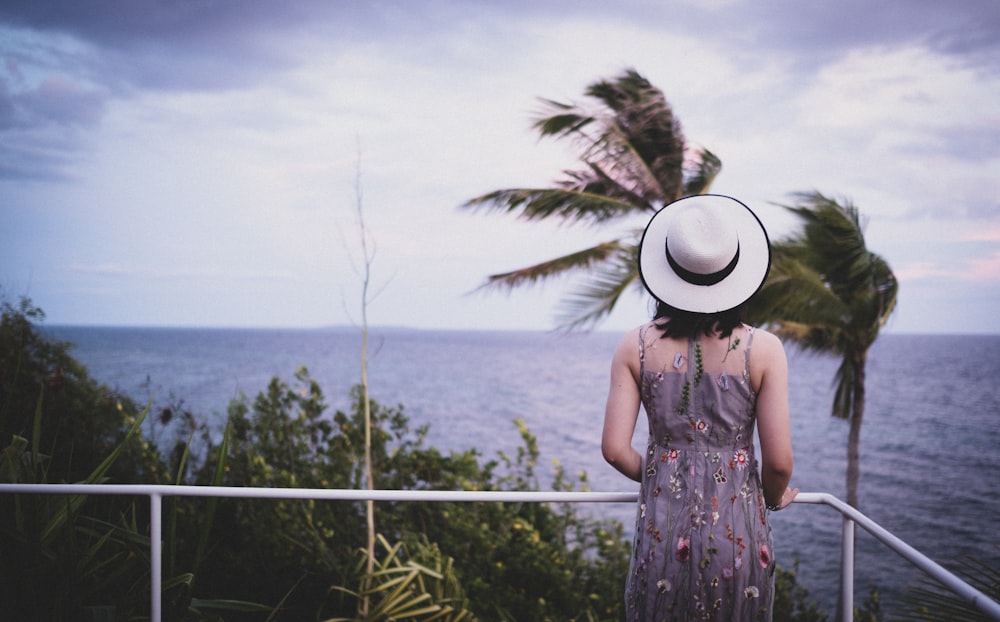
point(936, 571)
point(156, 492)
point(328, 494)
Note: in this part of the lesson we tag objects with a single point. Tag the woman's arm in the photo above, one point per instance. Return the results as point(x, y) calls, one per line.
point(623, 408)
point(773, 426)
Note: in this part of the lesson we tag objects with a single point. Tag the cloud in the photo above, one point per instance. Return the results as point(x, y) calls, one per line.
point(969, 29)
point(60, 101)
point(920, 270)
point(204, 273)
point(986, 233)
point(93, 52)
point(980, 269)
point(967, 141)
point(215, 142)
point(985, 269)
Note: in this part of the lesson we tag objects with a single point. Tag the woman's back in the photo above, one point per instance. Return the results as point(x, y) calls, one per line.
point(698, 391)
point(703, 546)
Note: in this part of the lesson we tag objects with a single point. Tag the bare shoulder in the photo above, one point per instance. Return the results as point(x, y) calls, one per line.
point(767, 358)
point(629, 344)
point(767, 343)
point(627, 353)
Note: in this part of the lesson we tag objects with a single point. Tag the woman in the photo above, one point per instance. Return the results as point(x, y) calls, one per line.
point(702, 548)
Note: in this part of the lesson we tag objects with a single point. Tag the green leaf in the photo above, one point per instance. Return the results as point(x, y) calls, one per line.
point(74, 502)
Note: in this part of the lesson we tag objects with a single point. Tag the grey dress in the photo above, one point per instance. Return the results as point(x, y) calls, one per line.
point(702, 548)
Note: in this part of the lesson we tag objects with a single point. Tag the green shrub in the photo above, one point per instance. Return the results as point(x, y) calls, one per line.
point(515, 561)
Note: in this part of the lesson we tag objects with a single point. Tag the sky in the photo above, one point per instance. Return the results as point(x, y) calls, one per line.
point(210, 163)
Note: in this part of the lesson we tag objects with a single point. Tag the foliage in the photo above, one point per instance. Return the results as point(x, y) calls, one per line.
point(871, 610)
point(404, 587)
point(75, 557)
point(828, 293)
point(929, 602)
point(791, 600)
point(60, 542)
point(67, 446)
point(634, 159)
point(70, 543)
point(515, 561)
point(72, 557)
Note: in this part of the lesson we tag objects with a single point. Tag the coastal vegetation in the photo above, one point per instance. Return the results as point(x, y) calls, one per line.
point(87, 558)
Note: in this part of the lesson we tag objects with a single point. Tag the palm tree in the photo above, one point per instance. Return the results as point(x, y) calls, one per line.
point(829, 294)
point(634, 160)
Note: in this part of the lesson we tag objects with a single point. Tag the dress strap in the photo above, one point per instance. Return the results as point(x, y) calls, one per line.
point(642, 348)
point(746, 363)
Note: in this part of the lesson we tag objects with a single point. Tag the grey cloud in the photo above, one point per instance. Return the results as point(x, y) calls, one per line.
point(184, 44)
point(54, 89)
point(38, 159)
point(813, 33)
point(960, 26)
point(118, 48)
point(41, 124)
point(137, 45)
point(61, 102)
point(971, 143)
point(130, 23)
point(965, 144)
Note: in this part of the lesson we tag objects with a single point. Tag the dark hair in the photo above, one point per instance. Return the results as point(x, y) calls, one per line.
point(688, 324)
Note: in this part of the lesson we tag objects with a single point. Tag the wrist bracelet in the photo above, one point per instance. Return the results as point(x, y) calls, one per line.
point(773, 508)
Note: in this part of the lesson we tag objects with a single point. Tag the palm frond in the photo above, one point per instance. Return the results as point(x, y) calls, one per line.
point(586, 258)
point(635, 139)
point(701, 167)
point(813, 338)
point(598, 297)
point(597, 180)
point(564, 204)
point(844, 388)
point(885, 291)
point(566, 120)
point(832, 242)
point(793, 295)
point(929, 600)
point(644, 122)
point(831, 245)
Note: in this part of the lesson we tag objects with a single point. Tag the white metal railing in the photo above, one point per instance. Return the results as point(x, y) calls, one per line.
point(851, 517)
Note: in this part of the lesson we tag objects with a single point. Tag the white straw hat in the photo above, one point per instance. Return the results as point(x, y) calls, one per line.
point(705, 253)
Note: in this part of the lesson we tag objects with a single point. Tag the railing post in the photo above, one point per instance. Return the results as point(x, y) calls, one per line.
point(847, 570)
point(155, 556)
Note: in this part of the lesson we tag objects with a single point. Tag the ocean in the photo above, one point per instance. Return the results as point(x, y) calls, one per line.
point(929, 448)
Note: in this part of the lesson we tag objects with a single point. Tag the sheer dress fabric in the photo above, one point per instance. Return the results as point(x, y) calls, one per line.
point(702, 548)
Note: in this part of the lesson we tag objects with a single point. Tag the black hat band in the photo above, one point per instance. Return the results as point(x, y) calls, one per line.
point(696, 278)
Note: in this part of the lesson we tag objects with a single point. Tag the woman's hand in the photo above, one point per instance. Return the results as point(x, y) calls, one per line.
point(787, 497)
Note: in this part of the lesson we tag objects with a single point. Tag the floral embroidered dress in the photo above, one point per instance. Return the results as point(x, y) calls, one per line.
point(702, 548)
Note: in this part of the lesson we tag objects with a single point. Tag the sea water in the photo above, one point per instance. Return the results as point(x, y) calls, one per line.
point(929, 445)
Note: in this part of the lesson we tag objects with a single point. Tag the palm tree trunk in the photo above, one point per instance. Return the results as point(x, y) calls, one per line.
point(854, 436)
point(853, 444)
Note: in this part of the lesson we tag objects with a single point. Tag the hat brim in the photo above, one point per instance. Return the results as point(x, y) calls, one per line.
point(746, 279)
